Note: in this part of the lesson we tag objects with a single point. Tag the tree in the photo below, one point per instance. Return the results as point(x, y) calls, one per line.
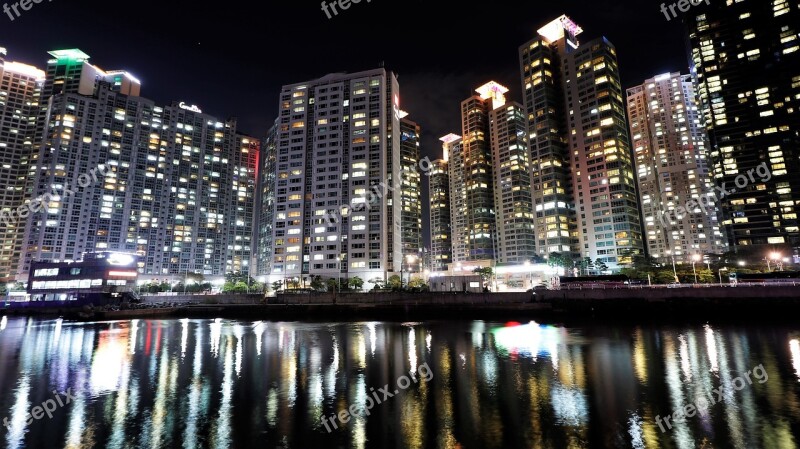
point(485, 273)
point(277, 286)
point(418, 285)
point(236, 277)
point(664, 277)
point(601, 266)
point(193, 288)
point(558, 260)
point(332, 285)
point(585, 265)
point(378, 283)
point(292, 284)
point(317, 283)
point(258, 287)
point(356, 283)
point(395, 283)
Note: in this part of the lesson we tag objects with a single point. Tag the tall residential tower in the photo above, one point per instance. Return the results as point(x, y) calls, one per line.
point(670, 144)
point(745, 57)
point(20, 90)
point(439, 194)
point(410, 195)
point(582, 173)
point(338, 194)
point(117, 172)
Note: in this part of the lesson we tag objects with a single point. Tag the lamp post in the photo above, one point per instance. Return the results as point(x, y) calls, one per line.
point(339, 273)
point(695, 259)
point(410, 259)
point(720, 274)
point(674, 270)
point(530, 274)
point(774, 256)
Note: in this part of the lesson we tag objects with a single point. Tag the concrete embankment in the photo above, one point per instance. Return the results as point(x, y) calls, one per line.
point(634, 304)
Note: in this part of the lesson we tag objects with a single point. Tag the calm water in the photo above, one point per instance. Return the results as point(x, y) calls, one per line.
point(236, 384)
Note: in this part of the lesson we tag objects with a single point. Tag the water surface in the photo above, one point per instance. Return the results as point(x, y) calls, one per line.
point(237, 384)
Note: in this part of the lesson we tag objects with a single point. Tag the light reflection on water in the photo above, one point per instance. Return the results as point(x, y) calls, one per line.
point(235, 384)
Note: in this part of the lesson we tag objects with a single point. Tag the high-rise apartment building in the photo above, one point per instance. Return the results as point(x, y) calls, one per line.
point(456, 166)
point(745, 57)
point(441, 253)
point(20, 90)
point(679, 202)
point(120, 173)
point(266, 202)
point(584, 186)
point(410, 195)
point(490, 198)
point(338, 206)
point(516, 239)
point(471, 180)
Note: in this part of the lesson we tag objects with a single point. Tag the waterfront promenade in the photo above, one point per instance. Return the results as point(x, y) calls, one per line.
point(699, 303)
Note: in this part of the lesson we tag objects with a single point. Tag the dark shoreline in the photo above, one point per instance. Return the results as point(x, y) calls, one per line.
point(560, 310)
point(766, 304)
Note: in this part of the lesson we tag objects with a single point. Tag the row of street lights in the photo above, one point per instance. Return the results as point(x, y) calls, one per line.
point(774, 256)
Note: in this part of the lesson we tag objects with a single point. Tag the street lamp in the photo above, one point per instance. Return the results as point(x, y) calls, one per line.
point(530, 273)
point(695, 259)
point(410, 259)
point(339, 273)
point(720, 274)
point(674, 270)
point(775, 256)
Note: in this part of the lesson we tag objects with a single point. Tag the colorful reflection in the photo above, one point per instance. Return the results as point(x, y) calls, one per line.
point(235, 384)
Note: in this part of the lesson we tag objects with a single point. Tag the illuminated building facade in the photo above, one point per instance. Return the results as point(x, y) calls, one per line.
point(170, 184)
point(20, 89)
point(97, 278)
point(516, 240)
point(266, 202)
point(745, 57)
point(670, 145)
point(454, 152)
point(584, 185)
point(440, 232)
point(339, 159)
point(410, 195)
point(471, 177)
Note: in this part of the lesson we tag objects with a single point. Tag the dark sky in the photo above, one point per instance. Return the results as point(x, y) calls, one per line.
point(231, 58)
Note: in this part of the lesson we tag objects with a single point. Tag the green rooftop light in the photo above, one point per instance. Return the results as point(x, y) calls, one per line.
point(72, 53)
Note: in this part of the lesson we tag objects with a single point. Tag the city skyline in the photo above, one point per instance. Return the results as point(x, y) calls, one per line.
point(383, 225)
point(570, 87)
point(167, 58)
point(432, 88)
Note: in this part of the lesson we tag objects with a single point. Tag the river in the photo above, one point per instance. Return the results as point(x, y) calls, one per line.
point(439, 384)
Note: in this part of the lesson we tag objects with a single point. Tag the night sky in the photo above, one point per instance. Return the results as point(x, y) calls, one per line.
point(231, 58)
